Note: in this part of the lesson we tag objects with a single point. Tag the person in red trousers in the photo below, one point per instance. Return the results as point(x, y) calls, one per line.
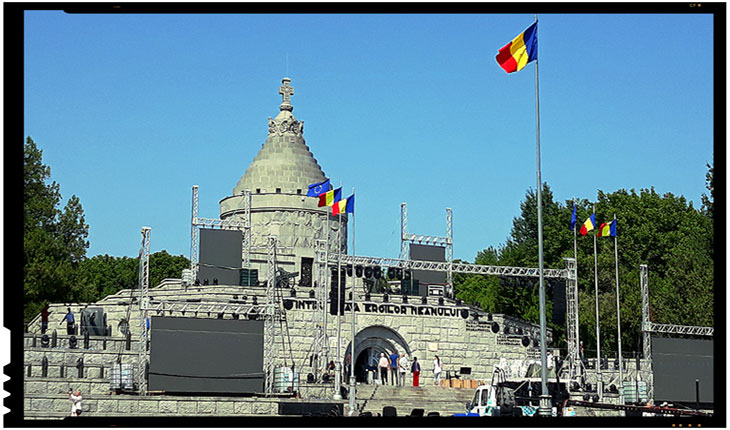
point(416, 370)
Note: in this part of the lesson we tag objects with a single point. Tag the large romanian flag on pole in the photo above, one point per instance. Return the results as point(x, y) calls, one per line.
point(330, 197)
point(515, 55)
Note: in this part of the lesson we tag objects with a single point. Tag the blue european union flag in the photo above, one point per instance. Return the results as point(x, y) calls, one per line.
point(572, 220)
point(316, 189)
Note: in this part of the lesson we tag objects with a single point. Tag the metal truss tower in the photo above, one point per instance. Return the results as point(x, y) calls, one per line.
point(144, 285)
point(645, 323)
point(321, 342)
point(244, 226)
point(445, 241)
point(572, 325)
point(269, 316)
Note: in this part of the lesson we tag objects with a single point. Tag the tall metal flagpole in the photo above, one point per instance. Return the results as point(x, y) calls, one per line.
point(352, 321)
point(598, 326)
point(338, 365)
point(575, 254)
point(618, 319)
point(545, 406)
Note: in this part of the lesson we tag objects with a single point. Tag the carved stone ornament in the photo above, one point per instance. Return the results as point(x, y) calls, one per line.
point(287, 125)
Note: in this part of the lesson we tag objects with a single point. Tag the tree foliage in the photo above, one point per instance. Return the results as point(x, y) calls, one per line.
point(54, 241)
point(665, 232)
point(55, 266)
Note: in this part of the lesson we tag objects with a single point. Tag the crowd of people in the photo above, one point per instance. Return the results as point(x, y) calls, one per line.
point(399, 366)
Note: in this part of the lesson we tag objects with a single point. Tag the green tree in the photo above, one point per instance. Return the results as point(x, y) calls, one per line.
point(103, 275)
point(665, 232)
point(708, 202)
point(54, 241)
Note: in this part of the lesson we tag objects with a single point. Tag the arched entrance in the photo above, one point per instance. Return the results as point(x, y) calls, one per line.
point(370, 343)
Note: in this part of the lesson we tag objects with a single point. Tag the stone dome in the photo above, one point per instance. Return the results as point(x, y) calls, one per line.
point(284, 164)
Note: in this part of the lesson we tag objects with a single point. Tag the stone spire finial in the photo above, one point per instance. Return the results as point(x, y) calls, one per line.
point(286, 91)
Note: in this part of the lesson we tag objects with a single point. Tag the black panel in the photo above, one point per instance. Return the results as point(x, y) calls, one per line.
point(677, 364)
point(197, 355)
point(220, 256)
point(310, 409)
point(428, 253)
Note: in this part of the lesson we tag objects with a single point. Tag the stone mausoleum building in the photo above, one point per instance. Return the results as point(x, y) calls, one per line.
point(468, 341)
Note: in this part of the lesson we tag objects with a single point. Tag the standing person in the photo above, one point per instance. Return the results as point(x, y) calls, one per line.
point(69, 318)
point(75, 402)
point(383, 366)
point(346, 375)
point(402, 368)
point(437, 367)
point(394, 368)
point(44, 318)
point(416, 369)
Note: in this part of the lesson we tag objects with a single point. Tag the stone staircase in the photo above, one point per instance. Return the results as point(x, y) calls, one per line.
point(430, 398)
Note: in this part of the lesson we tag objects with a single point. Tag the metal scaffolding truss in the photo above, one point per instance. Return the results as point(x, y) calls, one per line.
point(269, 316)
point(645, 323)
point(321, 342)
point(144, 285)
point(440, 266)
point(572, 324)
point(681, 329)
point(243, 225)
point(162, 306)
point(445, 241)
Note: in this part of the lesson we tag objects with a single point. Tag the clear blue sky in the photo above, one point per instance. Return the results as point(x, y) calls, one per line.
point(132, 110)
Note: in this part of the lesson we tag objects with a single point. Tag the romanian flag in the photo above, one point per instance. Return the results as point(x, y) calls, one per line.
point(330, 197)
point(572, 219)
point(344, 206)
point(589, 225)
point(320, 187)
point(515, 55)
point(607, 229)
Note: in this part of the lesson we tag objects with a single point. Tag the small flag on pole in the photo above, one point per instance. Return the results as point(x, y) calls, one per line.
point(515, 55)
point(330, 197)
point(572, 219)
point(344, 206)
point(607, 229)
point(320, 187)
point(589, 225)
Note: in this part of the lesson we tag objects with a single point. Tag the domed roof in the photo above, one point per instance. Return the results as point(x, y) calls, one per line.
point(284, 161)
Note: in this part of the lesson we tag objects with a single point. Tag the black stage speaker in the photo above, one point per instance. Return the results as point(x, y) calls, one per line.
point(335, 302)
point(559, 305)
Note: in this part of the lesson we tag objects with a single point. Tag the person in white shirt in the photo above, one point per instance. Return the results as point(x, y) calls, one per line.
point(437, 367)
point(75, 402)
point(402, 368)
point(383, 366)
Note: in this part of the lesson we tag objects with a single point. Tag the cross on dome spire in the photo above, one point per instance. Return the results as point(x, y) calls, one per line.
point(286, 92)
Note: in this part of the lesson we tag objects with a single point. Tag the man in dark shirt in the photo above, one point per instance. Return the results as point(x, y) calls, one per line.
point(69, 318)
point(394, 368)
point(44, 319)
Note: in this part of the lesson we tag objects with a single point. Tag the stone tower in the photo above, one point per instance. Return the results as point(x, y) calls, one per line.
point(278, 178)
